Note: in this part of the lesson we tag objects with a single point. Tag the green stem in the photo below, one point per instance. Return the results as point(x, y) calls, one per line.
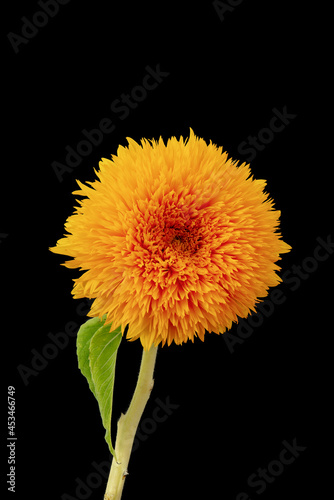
point(127, 426)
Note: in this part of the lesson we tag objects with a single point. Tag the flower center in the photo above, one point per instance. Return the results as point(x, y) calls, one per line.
point(181, 240)
point(170, 240)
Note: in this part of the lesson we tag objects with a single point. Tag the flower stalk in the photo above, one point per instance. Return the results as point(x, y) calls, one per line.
point(127, 426)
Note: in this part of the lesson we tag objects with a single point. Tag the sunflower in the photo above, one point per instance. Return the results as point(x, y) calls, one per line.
point(174, 240)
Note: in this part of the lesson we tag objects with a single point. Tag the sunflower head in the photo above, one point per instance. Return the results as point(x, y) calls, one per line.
point(174, 239)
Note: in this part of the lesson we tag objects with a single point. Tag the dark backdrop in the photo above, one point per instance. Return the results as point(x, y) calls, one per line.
point(230, 405)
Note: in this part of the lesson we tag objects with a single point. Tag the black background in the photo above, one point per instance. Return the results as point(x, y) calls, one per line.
point(225, 78)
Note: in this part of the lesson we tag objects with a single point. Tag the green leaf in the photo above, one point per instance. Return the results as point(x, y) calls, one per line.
point(97, 349)
point(103, 350)
point(85, 334)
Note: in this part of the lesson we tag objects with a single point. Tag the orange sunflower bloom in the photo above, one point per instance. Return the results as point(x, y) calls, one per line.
point(174, 240)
